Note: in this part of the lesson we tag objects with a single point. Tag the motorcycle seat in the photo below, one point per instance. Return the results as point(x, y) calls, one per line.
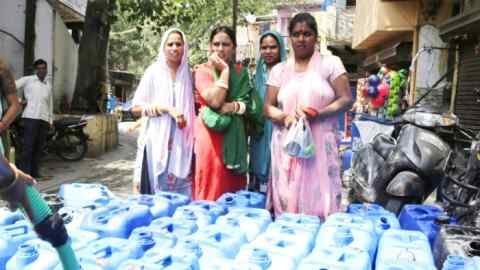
point(64, 122)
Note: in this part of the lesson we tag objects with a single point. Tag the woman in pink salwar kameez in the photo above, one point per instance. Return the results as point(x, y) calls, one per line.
point(316, 87)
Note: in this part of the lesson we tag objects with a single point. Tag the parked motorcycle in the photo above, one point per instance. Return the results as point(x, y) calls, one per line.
point(67, 138)
point(407, 166)
point(460, 189)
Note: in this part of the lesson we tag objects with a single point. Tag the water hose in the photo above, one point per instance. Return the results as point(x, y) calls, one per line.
point(48, 226)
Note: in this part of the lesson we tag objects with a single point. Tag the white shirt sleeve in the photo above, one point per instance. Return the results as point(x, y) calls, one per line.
point(20, 84)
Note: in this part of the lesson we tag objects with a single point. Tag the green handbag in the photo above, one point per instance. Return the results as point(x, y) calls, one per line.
point(214, 120)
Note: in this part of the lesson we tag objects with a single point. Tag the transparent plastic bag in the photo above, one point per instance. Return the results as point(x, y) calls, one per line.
point(299, 140)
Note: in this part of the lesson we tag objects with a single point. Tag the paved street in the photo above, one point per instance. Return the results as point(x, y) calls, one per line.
point(114, 169)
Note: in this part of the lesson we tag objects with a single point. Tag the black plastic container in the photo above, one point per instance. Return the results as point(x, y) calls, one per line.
point(456, 240)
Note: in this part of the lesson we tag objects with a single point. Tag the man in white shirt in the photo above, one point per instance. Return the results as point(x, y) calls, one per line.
point(37, 116)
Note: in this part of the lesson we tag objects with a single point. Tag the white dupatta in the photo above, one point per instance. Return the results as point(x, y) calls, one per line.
point(157, 87)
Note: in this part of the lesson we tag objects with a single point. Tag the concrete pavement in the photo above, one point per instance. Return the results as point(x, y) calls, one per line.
point(113, 169)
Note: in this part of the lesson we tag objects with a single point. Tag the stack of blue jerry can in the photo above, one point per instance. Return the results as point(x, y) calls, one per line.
point(168, 231)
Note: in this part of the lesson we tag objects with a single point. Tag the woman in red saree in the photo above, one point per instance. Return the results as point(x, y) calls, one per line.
point(227, 101)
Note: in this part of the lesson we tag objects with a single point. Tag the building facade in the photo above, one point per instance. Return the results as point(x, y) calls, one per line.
point(53, 40)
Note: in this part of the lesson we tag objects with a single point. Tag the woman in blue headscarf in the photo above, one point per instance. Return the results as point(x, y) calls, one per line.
point(272, 51)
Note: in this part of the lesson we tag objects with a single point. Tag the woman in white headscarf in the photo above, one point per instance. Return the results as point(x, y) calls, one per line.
point(165, 98)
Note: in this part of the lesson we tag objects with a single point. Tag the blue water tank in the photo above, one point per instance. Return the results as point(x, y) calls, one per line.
point(213, 208)
point(365, 209)
point(424, 218)
point(218, 241)
point(251, 255)
point(117, 220)
point(382, 219)
point(476, 262)
point(178, 227)
point(163, 259)
point(176, 199)
point(348, 238)
point(81, 238)
point(300, 221)
point(281, 245)
point(349, 230)
point(11, 237)
point(351, 220)
point(393, 265)
point(301, 236)
point(159, 206)
point(219, 264)
point(255, 199)
point(233, 200)
point(18, 233)
point(82, 194)
point(336, 258)
point(251, 221)
point(192, 213)
point(186, 249)
point(7, 250)
point(454, 262)
point(404, 248)
point(34, 255)
point(107, 253)
point(187, 245)
point(148, 237)
point(160, 262)
point(8, 217)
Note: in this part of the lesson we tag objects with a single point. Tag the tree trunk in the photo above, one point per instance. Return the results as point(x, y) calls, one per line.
point(234, 15)
point(92, 77)
point(29, 49)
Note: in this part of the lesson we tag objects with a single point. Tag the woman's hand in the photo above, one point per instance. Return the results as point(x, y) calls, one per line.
point(154, 110)
point(227, 107)
point(307, 112)
point(20, 175)
point(218, 62)
point(178, 117)
point(289, 120)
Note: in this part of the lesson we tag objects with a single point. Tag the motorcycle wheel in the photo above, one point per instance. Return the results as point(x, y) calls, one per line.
point(72, 147)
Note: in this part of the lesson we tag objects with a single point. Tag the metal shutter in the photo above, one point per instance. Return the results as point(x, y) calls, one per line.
point(467, 101)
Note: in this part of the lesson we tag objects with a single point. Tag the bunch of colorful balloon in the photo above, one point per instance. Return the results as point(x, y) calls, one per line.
point(378, 88)
point(382, 91)
point(398, 81)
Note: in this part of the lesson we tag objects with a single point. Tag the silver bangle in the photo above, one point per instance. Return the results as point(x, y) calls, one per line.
point(242, 108)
